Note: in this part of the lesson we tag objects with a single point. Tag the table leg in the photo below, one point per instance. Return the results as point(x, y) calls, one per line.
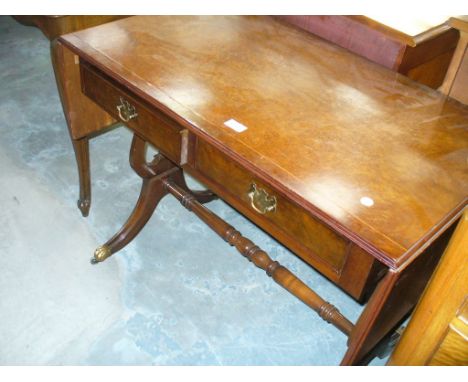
point(81, 147)
point(162, 177)
point(152, 191)
point(84, 118)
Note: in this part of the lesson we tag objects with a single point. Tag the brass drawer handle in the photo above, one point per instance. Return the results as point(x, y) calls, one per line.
point(260, 200)
point(126, 110)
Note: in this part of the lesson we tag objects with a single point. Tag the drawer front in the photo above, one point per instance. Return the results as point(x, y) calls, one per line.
point(319, 245)
point(151, 124)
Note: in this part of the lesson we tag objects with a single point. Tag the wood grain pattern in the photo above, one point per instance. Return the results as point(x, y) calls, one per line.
point(161, 177)
point(395, 296)
point(396, 137)
point(456, 80)
point(430, 72)
point(360, 274)
point(167, 134)
point(428, 61)
point(430, 49)
point(84, 118)
point(320, 240)
point(444, 298)
point(375, 158)
point(453, 351)
point(460, 85)
point(317, 244)
point(459, 22)
point(152, 191)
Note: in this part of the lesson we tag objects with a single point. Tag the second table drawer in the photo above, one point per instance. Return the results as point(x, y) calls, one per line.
point(320, 243)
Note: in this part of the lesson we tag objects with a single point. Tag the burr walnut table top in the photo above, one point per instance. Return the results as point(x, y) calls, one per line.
point(381, 159)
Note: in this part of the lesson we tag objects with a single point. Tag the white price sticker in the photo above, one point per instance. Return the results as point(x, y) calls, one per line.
point(236, 126)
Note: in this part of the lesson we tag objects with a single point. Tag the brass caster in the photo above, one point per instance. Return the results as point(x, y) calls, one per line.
point(100, 254)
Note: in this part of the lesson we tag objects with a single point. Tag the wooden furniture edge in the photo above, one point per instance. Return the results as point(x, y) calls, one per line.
point(400, 36)
point(78, 46)
point(459, 22)
point(424, 332)
point(395, 296)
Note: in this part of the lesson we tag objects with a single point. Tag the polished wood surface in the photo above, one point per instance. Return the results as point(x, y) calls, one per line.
point(55, 26)
point(407, 28)
point(305, 235)
point(456, 81)
point(428, 61)
point(168, 134)
point(84, 118)
point(396, 137)
point(437, 333)
point(459, 22)
point(396, 294)
point(317, 244)
point(162, 177)
point(336, 257)
point(419, 47)
point(152, 191)
point(453, 351)
point(369, 163)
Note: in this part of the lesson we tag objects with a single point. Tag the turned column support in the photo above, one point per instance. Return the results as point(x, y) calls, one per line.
point(260, 258)
point(162, 177)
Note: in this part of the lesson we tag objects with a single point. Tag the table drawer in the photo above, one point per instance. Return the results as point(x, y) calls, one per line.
point(154, 126)
point(320, 243)
point(350, 267)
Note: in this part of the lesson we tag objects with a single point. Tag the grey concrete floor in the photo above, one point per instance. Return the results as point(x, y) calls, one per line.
point(177, 295)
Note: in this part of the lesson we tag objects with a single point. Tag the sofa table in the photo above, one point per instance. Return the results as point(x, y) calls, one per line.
point(358, 170)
